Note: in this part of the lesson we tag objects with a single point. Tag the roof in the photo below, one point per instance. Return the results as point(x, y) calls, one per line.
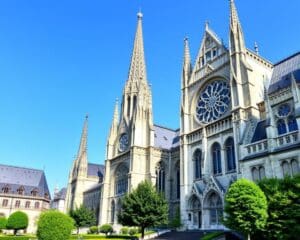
point(283, 71)
point(61, 194)
point(166, 138)
point(96, 170)
point(29, 178)
point(260, 131)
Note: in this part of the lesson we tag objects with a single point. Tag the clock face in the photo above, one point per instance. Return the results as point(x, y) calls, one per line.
point(213, 101)
point(123, 142)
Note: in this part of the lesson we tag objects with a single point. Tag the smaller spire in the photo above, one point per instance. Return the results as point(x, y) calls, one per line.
point(206, 25)
point(256, 49)
point(116, 112)
point(83, 140)
point(187, 66)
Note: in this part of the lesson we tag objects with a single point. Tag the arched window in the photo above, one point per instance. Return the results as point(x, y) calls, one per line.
point(121, 184)
point(281, 127)
point(4, 202)
point(27, 204)
point(128, 106)
point(177, 181)
point(230, 156)
point(292, 124)
point(255, 174)
point(262, 173)
point(113, 210)
point(215, 208)
point(195, 209)
point(134, 102)
point(34, 192)
point(160, 177)
point(216, 156)
point(285, 168)
point(295, 167)
point(197, 163)
point(17, 204)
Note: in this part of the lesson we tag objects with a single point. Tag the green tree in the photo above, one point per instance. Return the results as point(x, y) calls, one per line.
point(3, 222)
point(143, 207)
point(106, 228)
point(283, 208)
point(83, 217)
point(54, 225)
point(16, 221)
point(245, 207)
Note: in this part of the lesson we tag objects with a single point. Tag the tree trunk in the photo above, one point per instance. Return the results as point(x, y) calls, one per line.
point(248, 238)
point(15, 232)
point(78, 231)
point(143, 232)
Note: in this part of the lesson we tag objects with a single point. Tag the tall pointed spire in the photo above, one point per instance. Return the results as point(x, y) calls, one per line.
point(137, 70)
point(187, 66)
point(83, 139)
point(237, 42)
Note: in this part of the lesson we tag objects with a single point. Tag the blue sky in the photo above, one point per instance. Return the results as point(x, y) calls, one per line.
point(62, 59)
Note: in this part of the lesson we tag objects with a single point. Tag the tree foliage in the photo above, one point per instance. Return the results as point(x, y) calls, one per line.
point(245, 207)
point(83, 217)
point(143, 207)
point(3, 222)
point(16, 221)
point(106, 229)
point(54, 225)
point(283, 196)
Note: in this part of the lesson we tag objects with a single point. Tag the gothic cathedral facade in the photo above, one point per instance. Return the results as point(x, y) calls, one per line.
point(239, 117)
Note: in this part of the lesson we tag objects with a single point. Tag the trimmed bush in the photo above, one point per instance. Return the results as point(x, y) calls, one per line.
point(16, 221)
point(106, 228)
point(54, 225)
point(124, 230)
point(133, 231)
point(94, 229)
point(3, 222)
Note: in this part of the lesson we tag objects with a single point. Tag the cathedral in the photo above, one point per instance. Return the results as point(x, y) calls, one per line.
point(239, 118)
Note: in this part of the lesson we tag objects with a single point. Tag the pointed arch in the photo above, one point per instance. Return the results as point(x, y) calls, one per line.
point(230, 154)
point(213, 203)
point(160, 177)
point(281, 127)
point(216, 157)
point(197, 156)
point(121, 179)
point(292, 124)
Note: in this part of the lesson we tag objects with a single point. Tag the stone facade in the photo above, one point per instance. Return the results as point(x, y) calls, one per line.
point(23, 189)
point(239, 117)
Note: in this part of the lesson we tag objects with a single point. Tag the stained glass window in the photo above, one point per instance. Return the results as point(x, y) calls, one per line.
point(197, 163)
point(213, 101)
point(229, 146)
point(216, 155)
point(281, 127)
point(121, 180)
point(284, 110)
point(292, 124)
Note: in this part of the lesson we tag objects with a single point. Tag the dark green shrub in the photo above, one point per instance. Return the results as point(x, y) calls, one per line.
point(94, 229)
point(3, 222)
point(106, 228)
point(54, 225)
point(124, 230)
point(16, 221)
point(133, 231)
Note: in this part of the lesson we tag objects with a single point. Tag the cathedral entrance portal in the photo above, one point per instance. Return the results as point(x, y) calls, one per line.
point(214, 209)
point(195, 212)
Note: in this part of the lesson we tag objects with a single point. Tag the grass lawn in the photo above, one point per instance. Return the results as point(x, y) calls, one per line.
point(211, 236)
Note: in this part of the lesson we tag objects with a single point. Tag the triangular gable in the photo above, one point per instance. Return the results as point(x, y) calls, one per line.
point(211, 47)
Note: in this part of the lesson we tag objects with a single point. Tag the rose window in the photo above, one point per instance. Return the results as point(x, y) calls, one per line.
point(213, 101)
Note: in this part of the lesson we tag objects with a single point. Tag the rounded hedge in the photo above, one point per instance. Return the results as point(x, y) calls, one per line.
point(94, 229)
point(3, 222)
point(106, 228)
point(54, 225)
point(16, 221)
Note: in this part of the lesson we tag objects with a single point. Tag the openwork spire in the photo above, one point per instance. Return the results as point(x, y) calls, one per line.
point(187, 55)
point(137, 70)
point(116, 113)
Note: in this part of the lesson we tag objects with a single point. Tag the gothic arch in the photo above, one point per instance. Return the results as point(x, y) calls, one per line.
point(197, 161)
point(121, 179)
point(213, 206)
point(161, 176)
point(216, 158)
point(195, 211)
point(230, 154)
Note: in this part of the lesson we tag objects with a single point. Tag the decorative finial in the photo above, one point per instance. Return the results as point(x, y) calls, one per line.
point(206, 24)
point(139, 15)
point(186, 38)
point(256, 48)
point(86, 116)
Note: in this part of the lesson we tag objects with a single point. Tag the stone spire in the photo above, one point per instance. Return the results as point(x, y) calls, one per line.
point(82, 151)
point(237, 42)
point(137, 70)
point(187, 66)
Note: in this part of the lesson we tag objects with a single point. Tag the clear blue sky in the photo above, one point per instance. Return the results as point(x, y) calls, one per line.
point(62, 59)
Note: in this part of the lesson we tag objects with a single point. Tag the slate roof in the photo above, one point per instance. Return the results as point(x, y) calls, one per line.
point(30, 179)
point(96, 170)
point(260, 131)
point(61, 194)
point(282, 73)
point(166, 138)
